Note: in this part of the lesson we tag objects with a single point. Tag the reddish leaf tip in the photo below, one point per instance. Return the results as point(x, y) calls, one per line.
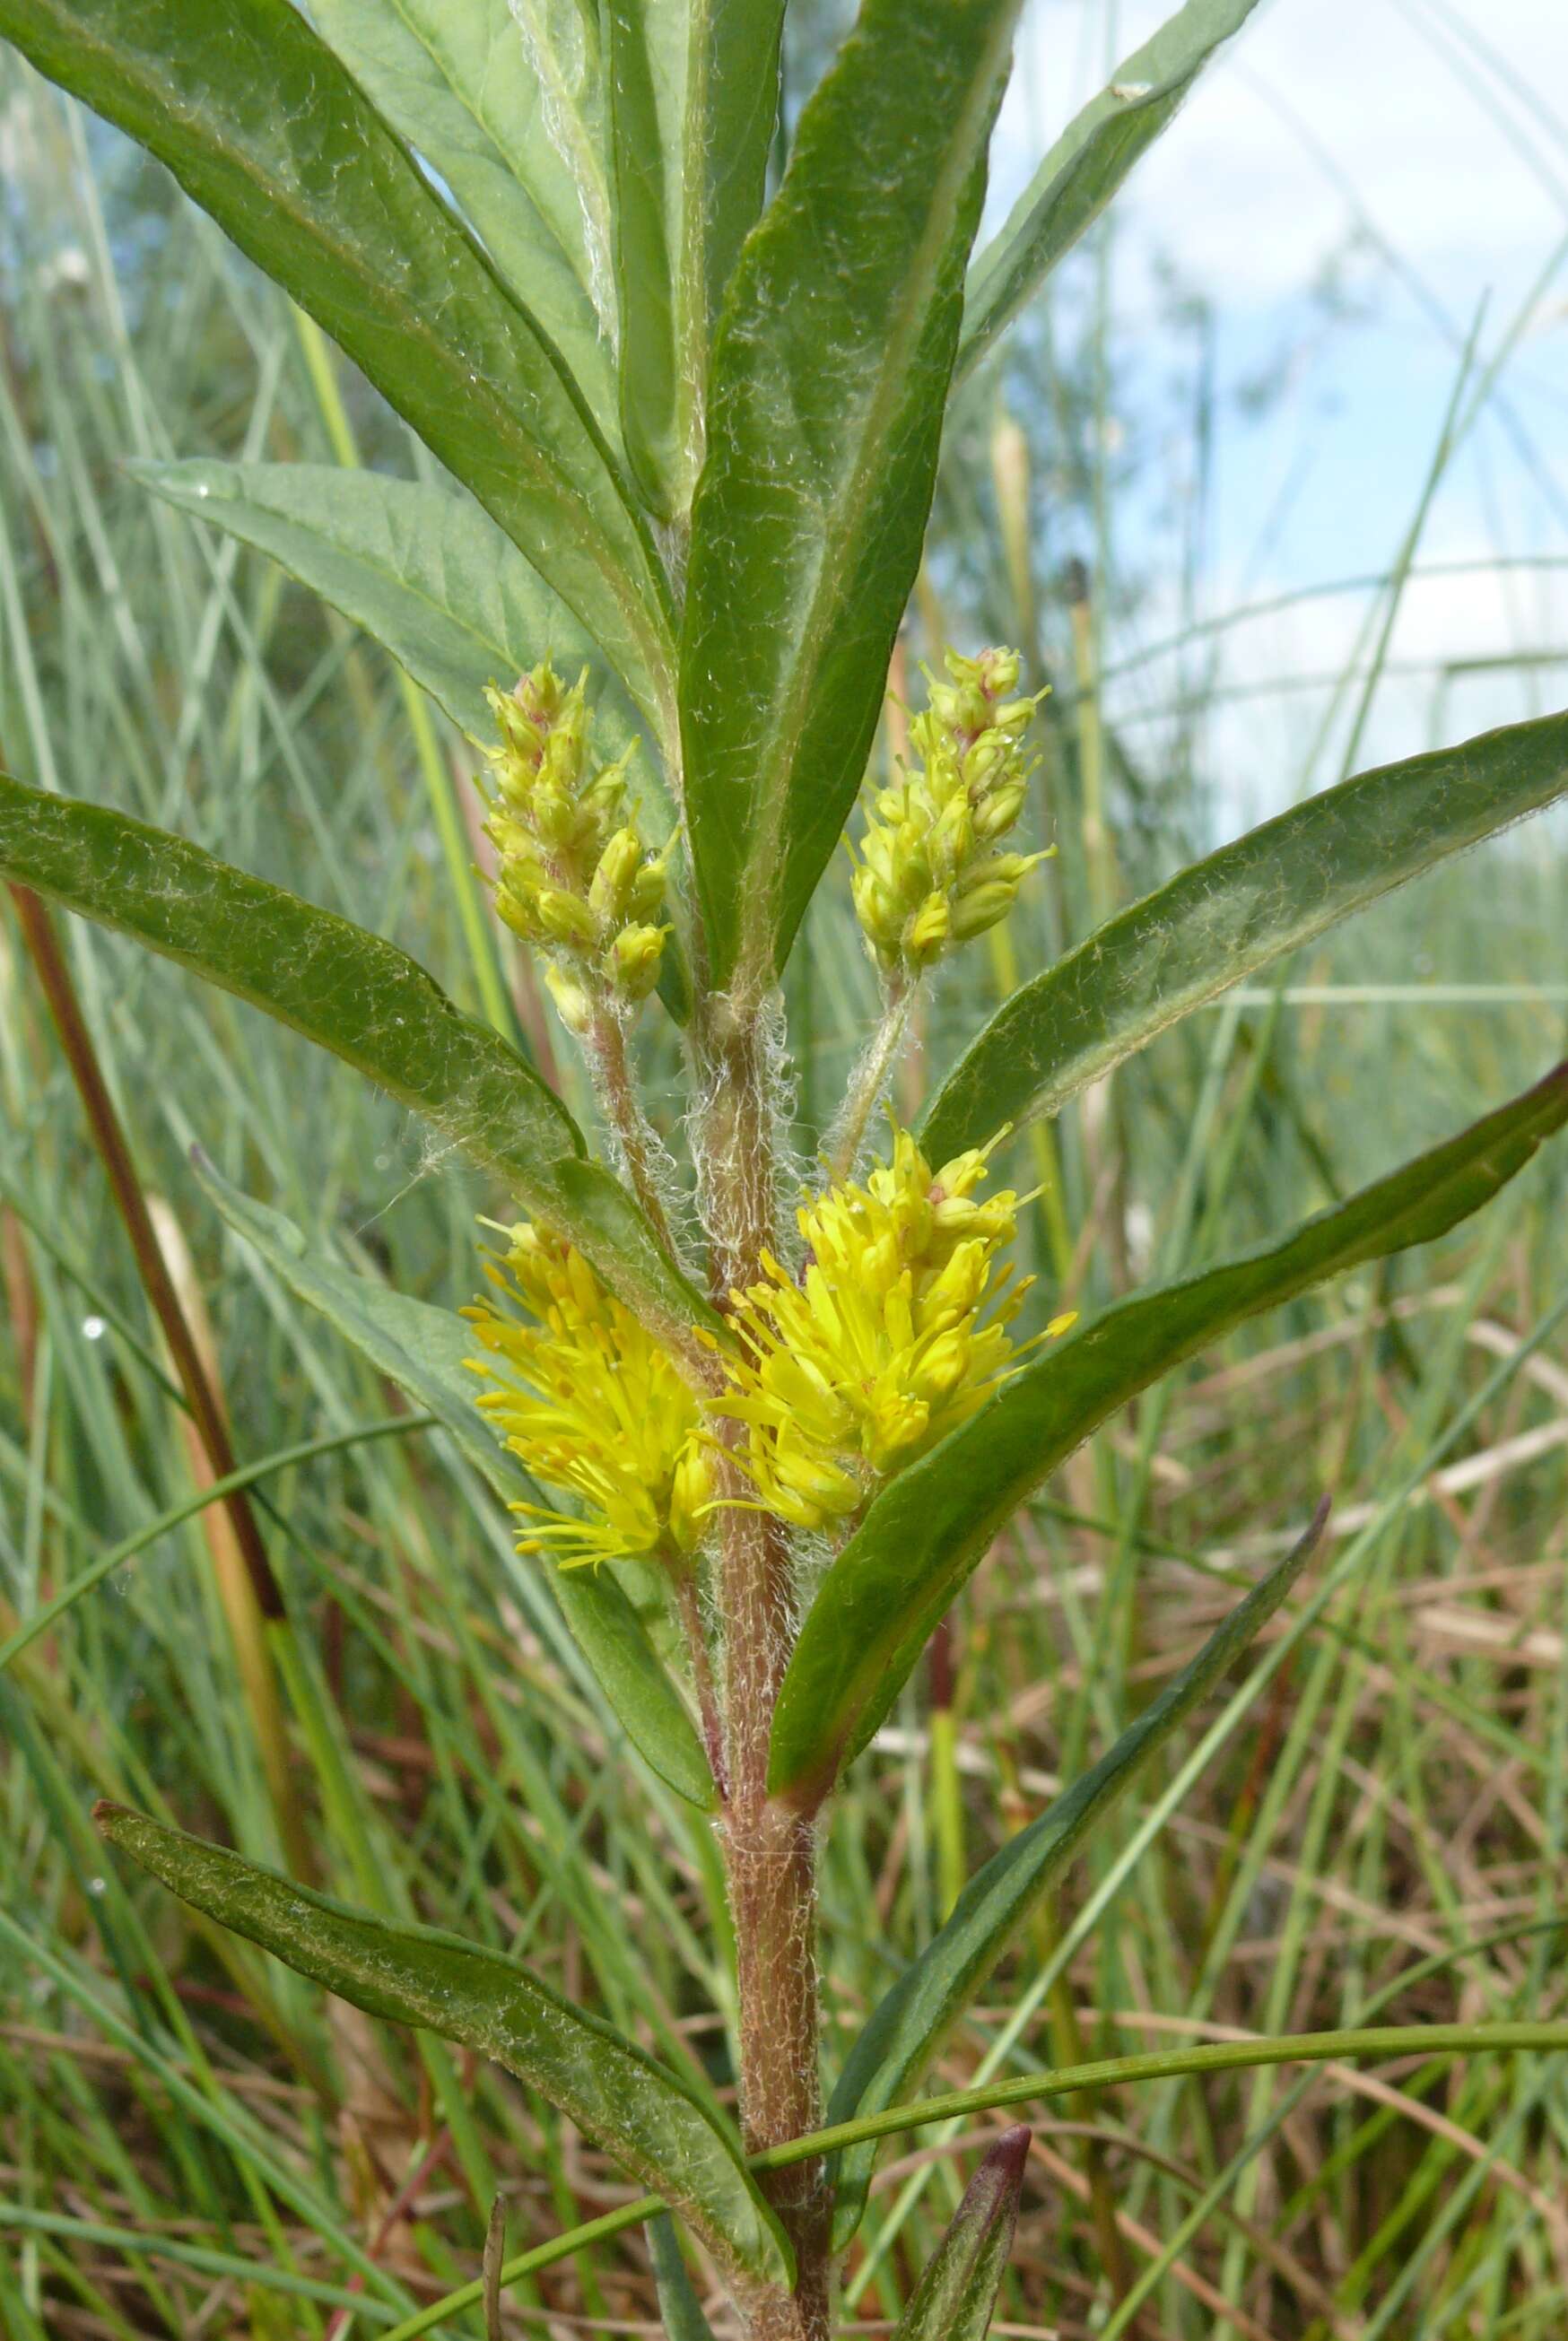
point(1011, 2152)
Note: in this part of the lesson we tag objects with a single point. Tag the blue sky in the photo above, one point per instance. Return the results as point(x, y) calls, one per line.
point(1424, 144)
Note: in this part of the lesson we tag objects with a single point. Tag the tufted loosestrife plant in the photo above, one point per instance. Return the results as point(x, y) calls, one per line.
point(681, 366)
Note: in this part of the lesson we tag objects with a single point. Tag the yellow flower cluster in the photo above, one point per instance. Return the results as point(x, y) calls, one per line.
point(574, 876)
point(928, 875)
point(896, 1332)
point(592, 1405)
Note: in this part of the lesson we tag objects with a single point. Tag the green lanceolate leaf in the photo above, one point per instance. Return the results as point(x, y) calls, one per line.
point(679, 2307)
point(427, 572)
point(264, 127)
point(421, 569)
point(925, 1534)
point(504, 105)
point(1087, 164)
point(424, 1350)
point(909, 2024)
point(955, 2298)
point(648, 2116)
point(693, 104)
point(1227, 916)
point(829, 378)
point(362, 998)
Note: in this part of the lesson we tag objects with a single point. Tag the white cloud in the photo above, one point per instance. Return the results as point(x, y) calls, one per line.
point(1436, 163)
point(1247, 207)
point(1288, 683)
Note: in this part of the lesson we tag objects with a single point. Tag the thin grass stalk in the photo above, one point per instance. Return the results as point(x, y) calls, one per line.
point(251, 1596)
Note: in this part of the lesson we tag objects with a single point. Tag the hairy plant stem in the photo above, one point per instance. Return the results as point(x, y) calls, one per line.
point(769, 1851)
point(870, 1078)
point(605, 1046)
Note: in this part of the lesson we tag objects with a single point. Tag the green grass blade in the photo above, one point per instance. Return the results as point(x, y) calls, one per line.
point(957, 2293)
point(679, 2306)
point(314, 187)
point(905, 2030)
point(38, 1621)
point(1230, 914)
point(420, 568)
point(461, 85)
point(642, 2114)
point(830, 376)
point(424, 1351)
point(356, 995)
point(1087, 164)
point(694, 105)
point(924, 1535)
point(1368, 2042)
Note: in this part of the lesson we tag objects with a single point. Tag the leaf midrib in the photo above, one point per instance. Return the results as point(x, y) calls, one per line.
point(689, 292)
point(470, 106)
point(832, 570)
point(587, 177)
point(561, 494)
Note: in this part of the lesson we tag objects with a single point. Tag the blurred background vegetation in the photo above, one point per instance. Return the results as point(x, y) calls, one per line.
point(192, 2143)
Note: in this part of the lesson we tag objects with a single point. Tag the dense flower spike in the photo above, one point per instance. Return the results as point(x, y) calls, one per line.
point(896, 1331)
point(928, 875)
point(591, 1405)
point(574, 876)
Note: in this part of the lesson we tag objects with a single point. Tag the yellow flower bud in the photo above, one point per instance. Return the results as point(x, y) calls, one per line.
point(517, 912)
point(634, 960)
point(951, 839)
point(551, 814)
point(609, 896)
point(996, 868)
point(572, 1004)
point(986, 760)
point(572, 875)
point(925, 878)
point(605, 794)
point(961, 1173)
point(959, 1218)
point(881, 1262)
point(817, 1491)
point(647, 892)
point(942, 1367)
point(962, 708)
point(928, 930)
point(962, 1280)
point(691, 1492)
point(566, 918)
point(998, 673)
point(899, 1420)
point(981, 907)
point(880, 916)
point(998, 810)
